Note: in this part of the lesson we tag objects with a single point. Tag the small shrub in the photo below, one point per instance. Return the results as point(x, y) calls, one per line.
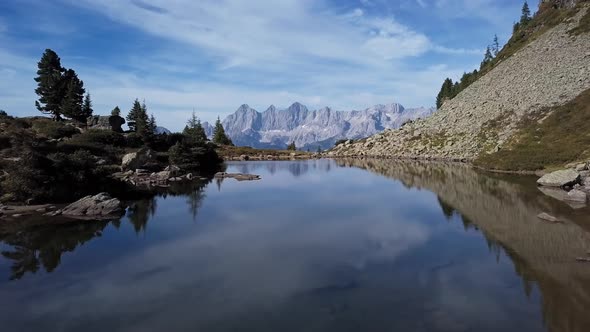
point(194, 156)
point(53, 129)
point(133, 140)
point(101, 137)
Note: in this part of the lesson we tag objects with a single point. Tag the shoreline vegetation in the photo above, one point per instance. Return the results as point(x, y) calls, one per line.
point(48, 161)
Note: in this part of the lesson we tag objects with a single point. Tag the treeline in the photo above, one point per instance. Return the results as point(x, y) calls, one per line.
point(451, 89)
point(62, 94)
point(59, 159)
point(60, 90)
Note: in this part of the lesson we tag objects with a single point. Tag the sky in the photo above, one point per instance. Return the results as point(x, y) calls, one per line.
point(212, 56)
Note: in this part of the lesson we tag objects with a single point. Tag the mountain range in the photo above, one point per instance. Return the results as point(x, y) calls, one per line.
point(310, 129)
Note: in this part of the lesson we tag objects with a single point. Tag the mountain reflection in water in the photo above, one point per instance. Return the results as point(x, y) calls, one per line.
point(315, 245)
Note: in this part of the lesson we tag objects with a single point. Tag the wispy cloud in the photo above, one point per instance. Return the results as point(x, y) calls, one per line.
point(216, 55)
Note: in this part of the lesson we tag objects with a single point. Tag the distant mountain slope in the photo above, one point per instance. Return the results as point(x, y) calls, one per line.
point(549, 69)
point(162, 130)
point(310, 129)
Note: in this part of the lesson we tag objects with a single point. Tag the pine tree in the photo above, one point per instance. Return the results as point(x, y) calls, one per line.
point(49, 84)
point(133, 114)
point(496, 46)
point(292, 147)
point(116, 111)
point(73, 95)
point(525, 18)
point(152, 125)
point(445, 93)
point(319, 149)
point(487, 58)
point(194, 130)
point(86, 109)
point(142, 123)
point(219, 135)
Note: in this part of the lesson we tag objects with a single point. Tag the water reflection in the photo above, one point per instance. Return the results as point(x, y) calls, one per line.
point(42, 245)
point(314, 246)
point(504, 209)
point(297, 169)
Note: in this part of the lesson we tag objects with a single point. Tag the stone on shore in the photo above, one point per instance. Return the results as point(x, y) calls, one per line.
point(98, 206)
point(137, 159)
point(561, 178)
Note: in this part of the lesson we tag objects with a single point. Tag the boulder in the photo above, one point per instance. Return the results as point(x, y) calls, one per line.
point(137, 159)
point(244, 157)
point(581, 167)
point(173, 169)
point(163, 175)
point(561, 178)
point(576, 196)
point(112, 122)
point(98, 206)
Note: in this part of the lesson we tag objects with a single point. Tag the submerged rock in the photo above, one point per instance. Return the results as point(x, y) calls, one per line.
point(237, 176)
point(561, 178)
point(563, 196)
point(547, 217)
point(576, 196)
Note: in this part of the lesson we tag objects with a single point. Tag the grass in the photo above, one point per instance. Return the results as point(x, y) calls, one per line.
point(584, 26)
point(550, 138)
point(236, 151)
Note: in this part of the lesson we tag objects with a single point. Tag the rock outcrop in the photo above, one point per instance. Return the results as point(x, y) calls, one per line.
point(137, 160)
point(551, 70)
point(560, 178)
point(99, 206)
point(310, 129)
point(112, 122)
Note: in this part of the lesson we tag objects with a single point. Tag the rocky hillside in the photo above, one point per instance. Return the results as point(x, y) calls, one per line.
point(548, 71)
point(310, 129)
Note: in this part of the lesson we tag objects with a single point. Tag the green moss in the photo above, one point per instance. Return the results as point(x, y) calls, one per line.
point(550, 138)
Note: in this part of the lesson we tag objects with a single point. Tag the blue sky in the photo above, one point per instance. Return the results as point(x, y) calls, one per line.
point(214, 55)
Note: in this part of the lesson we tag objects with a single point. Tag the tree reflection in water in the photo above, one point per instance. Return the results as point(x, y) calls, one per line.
point(43, 245)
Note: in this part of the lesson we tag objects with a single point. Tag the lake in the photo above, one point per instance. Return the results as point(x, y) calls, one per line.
point(319, 245)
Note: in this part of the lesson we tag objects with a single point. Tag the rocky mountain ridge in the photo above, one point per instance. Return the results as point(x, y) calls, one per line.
point(550, 71)
point(310, 129)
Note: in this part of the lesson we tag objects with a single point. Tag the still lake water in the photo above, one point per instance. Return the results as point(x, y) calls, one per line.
point(314, 246)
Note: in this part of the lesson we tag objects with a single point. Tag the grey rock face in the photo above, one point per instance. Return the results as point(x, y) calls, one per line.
point(275, 128)
point(137, 159)
point(550, 71)
point(561, 178)
point(162, 130)
point(112, 122)
point(99, 206)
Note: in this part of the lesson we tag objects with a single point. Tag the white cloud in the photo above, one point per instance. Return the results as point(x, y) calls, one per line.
point(214, 56)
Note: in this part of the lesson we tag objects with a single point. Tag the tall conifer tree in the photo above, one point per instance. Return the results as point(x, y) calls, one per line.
point(49, 84)
point(219, 135)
